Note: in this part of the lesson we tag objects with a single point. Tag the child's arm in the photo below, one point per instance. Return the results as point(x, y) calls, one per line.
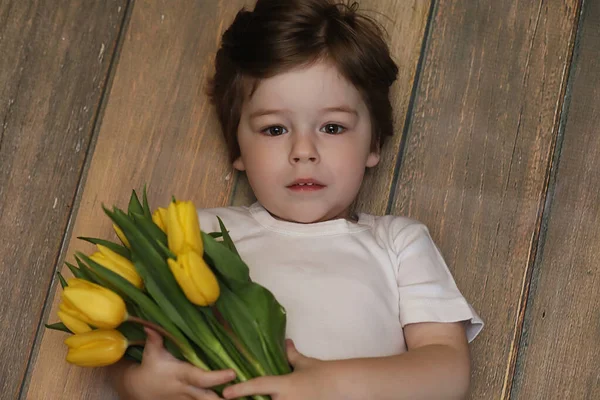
point(161, 376)
point(437, 366)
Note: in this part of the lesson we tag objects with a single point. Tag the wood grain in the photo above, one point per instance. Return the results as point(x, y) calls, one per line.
point(54, 60)
point(404, 23)
point(476, 160)
point(157, 128)
point(560, 352)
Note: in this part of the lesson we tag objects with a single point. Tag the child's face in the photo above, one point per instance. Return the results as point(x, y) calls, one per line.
point(309, 125)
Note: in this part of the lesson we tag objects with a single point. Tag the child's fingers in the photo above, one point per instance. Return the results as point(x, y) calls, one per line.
point(265, 385)
point(205, 379)
point(154, 344)
point(201, 394)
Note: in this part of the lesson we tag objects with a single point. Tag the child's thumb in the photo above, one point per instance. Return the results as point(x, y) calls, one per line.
point(154, 343)
point(295, 358)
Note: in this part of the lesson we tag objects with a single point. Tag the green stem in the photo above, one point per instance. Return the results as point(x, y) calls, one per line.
point(188, 353)
point(136, 343)
point(218, 318)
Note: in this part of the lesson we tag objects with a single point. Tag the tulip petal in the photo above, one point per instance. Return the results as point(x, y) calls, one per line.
point(75, 325)
point(185, 283)
point(202, 277)
point(96, 348)
point(68, 308)
point(191, 226)
point(97, 305)
point(160, 218)
point(121, 236)
point(176, 234)
point(118, 264)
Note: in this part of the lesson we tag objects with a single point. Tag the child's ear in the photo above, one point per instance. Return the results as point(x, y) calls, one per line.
point(373, 159)
point(239, 164)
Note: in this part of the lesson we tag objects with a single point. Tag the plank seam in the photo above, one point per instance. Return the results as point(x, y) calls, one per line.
point(411, 104)
point(545, 208)
point(49, 297)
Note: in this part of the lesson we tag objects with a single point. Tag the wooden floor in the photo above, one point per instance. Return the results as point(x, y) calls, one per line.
point(497, 149)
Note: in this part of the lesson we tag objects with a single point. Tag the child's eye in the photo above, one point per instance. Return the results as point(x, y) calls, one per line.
point(333, 129)
point(274, 130)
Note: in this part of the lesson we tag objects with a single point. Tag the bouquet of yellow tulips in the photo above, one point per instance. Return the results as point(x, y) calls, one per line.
point(190, 286)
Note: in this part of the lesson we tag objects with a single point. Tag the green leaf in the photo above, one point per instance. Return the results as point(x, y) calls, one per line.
point(63, 282)
point(227, 239)
point(85, 272)
point(149, 228)
point(228, 340)
point(215, 234)
point(59, 326)
point(132, 331)
point(253, 312)
point(146, 206)
point(134, 353)
point(257, 319)
point(75, 271)
point(117, 248)
point(134, 205)
point(228, 264)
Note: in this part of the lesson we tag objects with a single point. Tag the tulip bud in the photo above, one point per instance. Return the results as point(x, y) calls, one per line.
point(117, 264)
point(72, 318)
point(183, 228)
point(121, 236)
point(195, 278)
point(160, 218)
point(96, 348)
point(93, 304)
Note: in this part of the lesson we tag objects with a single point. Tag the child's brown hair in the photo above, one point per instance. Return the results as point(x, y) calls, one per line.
point(280, 35)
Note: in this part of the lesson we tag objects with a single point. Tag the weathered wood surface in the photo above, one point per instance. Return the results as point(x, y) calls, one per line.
point(474, 165)
point(404, 22)
point(477, 154)
point(54, 60)
point(157, 128)
point(559, 357)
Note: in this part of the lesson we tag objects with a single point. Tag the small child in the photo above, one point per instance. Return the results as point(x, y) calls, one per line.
point(301, 91)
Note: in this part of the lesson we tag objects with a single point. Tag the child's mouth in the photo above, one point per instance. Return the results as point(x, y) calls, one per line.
point(305, 187)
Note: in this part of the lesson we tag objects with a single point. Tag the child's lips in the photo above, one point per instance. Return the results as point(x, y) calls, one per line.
point(306, 187)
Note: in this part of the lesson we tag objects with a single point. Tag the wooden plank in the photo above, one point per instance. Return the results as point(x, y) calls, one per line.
point(475, 164)
point(157, 128)
point(560, 352)
point(404, 22)
point(54, 60)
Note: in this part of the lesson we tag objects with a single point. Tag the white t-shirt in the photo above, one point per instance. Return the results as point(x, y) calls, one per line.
point(348, 287)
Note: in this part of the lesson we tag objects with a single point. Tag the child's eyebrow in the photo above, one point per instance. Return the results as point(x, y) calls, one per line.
point(263, 111)
point(343, 108)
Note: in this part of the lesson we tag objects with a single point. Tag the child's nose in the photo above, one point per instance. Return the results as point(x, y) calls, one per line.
point(304, 150)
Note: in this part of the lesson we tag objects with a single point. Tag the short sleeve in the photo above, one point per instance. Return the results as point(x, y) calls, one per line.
point(427, 290)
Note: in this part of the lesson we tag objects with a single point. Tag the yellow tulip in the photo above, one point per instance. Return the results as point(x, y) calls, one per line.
point(183, 228)
point(195, 278)
point(96, 348)
point(93, 304)
point(160, 218)
point(121, 236)
point(117, 264)
point(72, 318)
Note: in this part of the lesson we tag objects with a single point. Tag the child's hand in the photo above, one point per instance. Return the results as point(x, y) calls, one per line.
point(162, 376)
point(308, 381)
